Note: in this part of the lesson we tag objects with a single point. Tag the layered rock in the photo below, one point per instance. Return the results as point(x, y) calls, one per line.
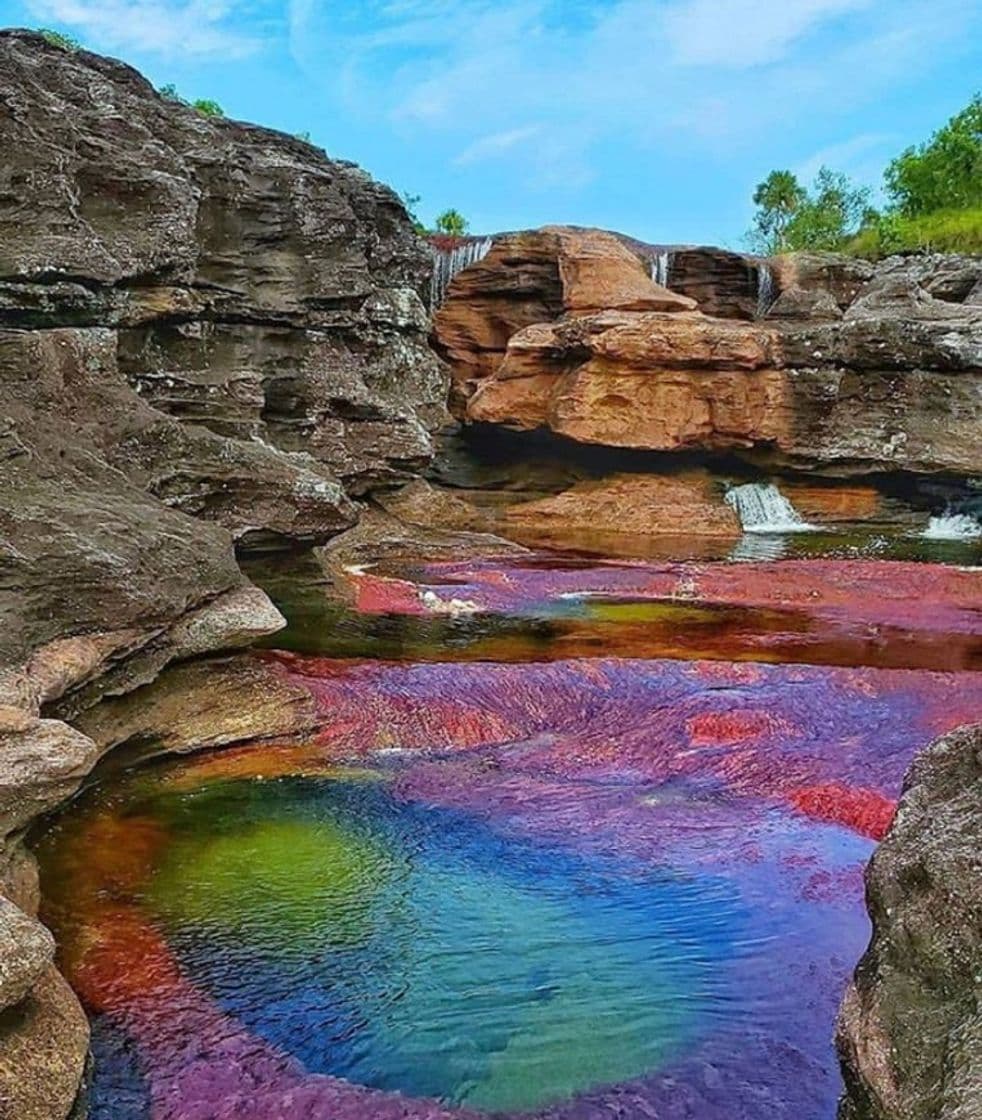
point(638, 505)
point(892, 382)
point(910, 1033)
point(244, 285)
point(534, 277)
point(211, 338)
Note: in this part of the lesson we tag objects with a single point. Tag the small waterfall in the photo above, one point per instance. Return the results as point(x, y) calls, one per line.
point(448, 262)
point(661, 264)
point(953, 527)
point(765, 289)
point(762, 508)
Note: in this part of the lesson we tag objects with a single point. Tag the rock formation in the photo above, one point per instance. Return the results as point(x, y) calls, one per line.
point(910, 1033)
point(853, 368)
point(211, 337)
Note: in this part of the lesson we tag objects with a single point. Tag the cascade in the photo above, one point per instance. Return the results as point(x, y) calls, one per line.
point(953, 527)
point(661, 264)
point(765, 289)
point(448, 262)
point(762, 508)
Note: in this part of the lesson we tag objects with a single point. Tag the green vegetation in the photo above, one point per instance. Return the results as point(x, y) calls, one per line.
point(791, 217)
point(205, 106)
point(57, 39)
point(452, 222)
point(934, 193)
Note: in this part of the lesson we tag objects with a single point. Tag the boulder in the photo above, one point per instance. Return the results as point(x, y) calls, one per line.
point(910, 1035)
point(27, 950)
point(44, 1044)
point(535, 277)
point(633, 504)
point(723, 284)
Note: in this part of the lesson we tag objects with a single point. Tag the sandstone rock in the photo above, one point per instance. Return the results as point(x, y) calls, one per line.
point(201, 705)
point(44, 1042)
point(535, 277)
point(871, 392)
point(42, 762)
point(809, 306)
point(26, 951)
point(910, 1037)
point(249, 285)
point(842, 277)
point(639, 505)
point(421, 503)
point(722, 283)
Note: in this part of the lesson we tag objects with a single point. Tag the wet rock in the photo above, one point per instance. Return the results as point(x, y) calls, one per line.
point(722, 283)
point(645, 505)
point(910, 1037)
point(44, 1042)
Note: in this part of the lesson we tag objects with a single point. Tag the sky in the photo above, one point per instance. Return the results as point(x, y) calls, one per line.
point(653, 117)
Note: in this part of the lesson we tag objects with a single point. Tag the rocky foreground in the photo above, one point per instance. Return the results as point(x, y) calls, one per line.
point(213, 341)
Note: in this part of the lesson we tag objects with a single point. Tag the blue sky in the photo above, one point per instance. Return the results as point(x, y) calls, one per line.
point(655, 117)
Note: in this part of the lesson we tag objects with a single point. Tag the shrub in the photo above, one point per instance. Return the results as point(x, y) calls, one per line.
point(57, 39)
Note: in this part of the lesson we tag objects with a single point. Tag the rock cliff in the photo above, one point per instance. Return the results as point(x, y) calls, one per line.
point(847, 367)
point(212, 339)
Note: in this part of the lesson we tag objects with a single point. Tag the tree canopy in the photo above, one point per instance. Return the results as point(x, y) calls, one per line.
point(453, 223)
point(933, 191)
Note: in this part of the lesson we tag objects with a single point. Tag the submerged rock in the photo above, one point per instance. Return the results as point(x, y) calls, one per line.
point(910, 1032)
point(639, 505)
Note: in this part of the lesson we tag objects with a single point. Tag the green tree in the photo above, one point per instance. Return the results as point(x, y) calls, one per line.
point(453, 223)
point(57, 39)
point(830, 214)
point(208, 108)
point(943, 173)
point(791, 217)
point(777, 199)
point(169, 93)
point(411, 202)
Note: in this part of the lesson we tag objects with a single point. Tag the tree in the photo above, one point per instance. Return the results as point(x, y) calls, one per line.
point(57, 39)
point(830, 214)
point(452, 222)
point(790, 217)
point(411, 202)
point(208, 108)
point(945, 173)
point(777, 199)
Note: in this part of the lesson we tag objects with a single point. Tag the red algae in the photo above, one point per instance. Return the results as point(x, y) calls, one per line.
point(863, 810)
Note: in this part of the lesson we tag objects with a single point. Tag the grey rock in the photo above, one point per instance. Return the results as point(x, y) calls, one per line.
point(910, 1030)
point(26, 951)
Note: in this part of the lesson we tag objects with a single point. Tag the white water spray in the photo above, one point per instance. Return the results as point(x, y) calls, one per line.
point(953, 527)
point(762, 508)
point(661, 264)
point(766, 293)
point(448, 262)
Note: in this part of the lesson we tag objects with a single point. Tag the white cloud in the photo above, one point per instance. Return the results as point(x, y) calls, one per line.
point(744, 33)
point(189, 28)
point(495, 144)
point(862, 158)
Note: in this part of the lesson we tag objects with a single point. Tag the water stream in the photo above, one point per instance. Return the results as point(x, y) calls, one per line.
point(592, 847)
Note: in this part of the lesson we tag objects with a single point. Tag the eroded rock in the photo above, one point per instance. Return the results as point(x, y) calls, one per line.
point(910, 1034)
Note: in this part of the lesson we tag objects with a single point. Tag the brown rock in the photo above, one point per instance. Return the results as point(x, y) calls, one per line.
point(723, 284)
point(421, 503)
point(830, 504)
point(638, 505)
point(44, 1042)
point(910, 1036)
point(535, 277)
point(202, 705)
point(26, 951)
point(840, 276)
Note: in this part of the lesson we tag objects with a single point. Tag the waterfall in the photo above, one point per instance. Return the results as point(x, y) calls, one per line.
point(762, 508)
point(765, 289)
point(661, 263)
point(952, 527)
point(448, 262)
